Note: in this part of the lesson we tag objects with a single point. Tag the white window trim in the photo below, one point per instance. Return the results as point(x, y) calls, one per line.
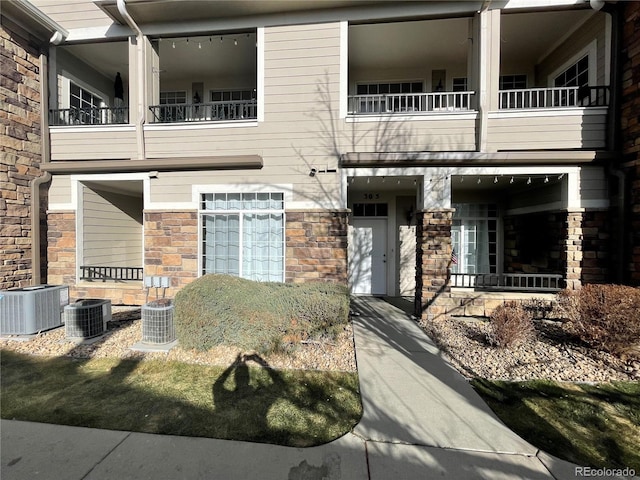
point(592, 51)
point(240, 212)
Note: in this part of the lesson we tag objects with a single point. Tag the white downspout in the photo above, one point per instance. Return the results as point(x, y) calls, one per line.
point(142, 76)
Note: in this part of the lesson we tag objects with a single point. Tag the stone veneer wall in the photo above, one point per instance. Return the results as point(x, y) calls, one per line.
point(171, 247)
point(20, 147)
point(587, 248)
point(316, 244)
point(630, 133)
point(433, 262)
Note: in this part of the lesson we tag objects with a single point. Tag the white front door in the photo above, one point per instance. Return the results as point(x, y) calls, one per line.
point(368, 256)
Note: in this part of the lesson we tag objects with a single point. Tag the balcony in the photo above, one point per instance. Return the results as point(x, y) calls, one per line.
point(204, 112)
point(411, 103)
point(558, 97)
point(89, 116)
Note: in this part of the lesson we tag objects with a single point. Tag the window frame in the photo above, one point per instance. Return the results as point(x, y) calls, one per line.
point(240, 212)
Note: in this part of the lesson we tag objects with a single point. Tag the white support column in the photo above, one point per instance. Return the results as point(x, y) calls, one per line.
point(436, 192)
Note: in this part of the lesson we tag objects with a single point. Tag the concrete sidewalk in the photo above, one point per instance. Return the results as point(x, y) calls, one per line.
point(421, 420)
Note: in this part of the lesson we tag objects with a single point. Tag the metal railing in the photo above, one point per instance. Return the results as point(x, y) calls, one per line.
point(105, 273)
point(557, 97)
point(541, 282)
point(89, 116)
point(410, 103)
point(204, 112)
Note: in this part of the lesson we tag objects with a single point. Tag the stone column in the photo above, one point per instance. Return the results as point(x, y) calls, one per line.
point(61, 246)
point(316, 246)
point(586, 248)
point(433, 260)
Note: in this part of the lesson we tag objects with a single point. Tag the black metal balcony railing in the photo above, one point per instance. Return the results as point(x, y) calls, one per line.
point(540, 282)
point(104, 273)
point(89, 116)
point(204, 112)
point(410, 103)
point(556, 97)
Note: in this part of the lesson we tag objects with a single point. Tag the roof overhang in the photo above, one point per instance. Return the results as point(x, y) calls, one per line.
point(453, 159)
point(233, 162)
point(27, 15)
point(157, 13)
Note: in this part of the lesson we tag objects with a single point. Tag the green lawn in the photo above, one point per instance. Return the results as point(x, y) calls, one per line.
point(591, 425)
point(241, 402)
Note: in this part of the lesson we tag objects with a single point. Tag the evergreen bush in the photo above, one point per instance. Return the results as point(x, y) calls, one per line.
point(225, 310)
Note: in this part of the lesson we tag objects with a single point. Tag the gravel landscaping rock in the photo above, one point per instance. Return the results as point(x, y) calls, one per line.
point(551, 355)
point(126, 330)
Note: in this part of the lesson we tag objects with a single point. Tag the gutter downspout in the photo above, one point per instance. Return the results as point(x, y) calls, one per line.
point(142, 77)
point(36, 246)
point(614, 135)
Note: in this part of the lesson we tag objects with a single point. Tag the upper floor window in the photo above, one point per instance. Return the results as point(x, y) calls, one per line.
point(577, 75)
point(84, 105)
point(513, 82)
point(232, 95)
point(459, 84)
point(389, 87)
point(167, 98)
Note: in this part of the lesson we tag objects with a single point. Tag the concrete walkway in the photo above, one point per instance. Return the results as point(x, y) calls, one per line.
point(421, 420)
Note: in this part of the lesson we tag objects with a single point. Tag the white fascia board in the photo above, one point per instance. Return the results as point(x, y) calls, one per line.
point(103, 32)
point(513, 4)
point(115, 129)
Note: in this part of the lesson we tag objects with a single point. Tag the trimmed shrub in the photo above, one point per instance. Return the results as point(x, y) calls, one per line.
point(606, 317)
point(225, 310)
point(510, 325)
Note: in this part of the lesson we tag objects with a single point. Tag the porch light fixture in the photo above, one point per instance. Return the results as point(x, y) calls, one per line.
point(383, 179)
point(529, 181)
point(173, 45)
point(199, 45)
point(495, 179)
point(368, 180)
point(546, 179)
point(511, 181)
point(461, 179)
point(479, 180)
point(235, 42)
point(313, 172)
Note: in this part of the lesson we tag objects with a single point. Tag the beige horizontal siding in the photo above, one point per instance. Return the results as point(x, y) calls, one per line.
point(73, 13)
point(110, 237)
point(60, 190)
point(87, 144)
point(547, 132)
